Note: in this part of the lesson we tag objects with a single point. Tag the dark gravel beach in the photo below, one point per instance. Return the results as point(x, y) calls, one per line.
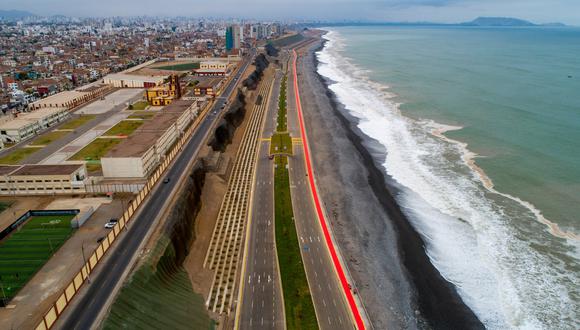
point(397, 283)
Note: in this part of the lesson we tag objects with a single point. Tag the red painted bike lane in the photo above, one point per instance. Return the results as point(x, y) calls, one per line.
point(345, 286)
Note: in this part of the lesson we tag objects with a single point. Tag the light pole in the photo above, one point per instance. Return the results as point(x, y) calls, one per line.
point(85, 261)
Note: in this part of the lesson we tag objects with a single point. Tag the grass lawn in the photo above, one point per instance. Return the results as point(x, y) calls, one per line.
point(281, 143)
point(142, 115)
point(281, 122)
point(179, 67)
point(26, 250)
point(48, 138)
point(95, 150)
point(124, 127)
point(18, 155)
point(77, 122)
point(298, 304)
point(139, 105)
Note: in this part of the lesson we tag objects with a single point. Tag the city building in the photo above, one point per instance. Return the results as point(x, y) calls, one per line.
point(213, 68)
point(233, 37)
point(71, 99)
point(122, 80)
point(139, 154)
point(42, 179)
point(209, 87)
point(164, 94)
point(28, 124)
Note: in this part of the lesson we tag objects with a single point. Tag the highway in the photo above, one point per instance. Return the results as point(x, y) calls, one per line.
point(262, 304)
point(331, 308)
point(224, 254)
point(83, 313)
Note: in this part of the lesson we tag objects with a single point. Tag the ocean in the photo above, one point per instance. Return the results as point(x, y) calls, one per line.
point(481, 136)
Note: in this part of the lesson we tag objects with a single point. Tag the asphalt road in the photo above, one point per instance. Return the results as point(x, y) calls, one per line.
point(262, 302)
point(84, 312)
point(330, 304)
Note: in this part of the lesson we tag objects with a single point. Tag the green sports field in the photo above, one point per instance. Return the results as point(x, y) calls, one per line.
point(27, 249)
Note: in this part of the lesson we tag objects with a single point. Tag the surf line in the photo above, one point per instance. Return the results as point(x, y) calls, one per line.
point(469, 156)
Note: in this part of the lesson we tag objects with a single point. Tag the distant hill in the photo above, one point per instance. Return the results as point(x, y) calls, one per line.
point(498, 21)
point(14, 14)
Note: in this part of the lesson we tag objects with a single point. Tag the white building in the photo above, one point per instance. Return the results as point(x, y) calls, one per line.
point(123, 80)
point(139, 154)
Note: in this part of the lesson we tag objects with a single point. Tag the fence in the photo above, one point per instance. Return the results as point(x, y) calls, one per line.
point(31, 213)
point(63, 300)
point(114, 187)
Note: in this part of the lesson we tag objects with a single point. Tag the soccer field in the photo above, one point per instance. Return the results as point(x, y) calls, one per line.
point(27, 249)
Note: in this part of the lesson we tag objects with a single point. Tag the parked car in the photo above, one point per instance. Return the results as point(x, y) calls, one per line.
point(111, 223)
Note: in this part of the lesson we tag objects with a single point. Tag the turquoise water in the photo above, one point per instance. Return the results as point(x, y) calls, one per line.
point(512, 96)
point(508, 88)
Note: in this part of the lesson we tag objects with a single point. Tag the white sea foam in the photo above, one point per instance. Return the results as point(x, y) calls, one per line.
point(469, 235)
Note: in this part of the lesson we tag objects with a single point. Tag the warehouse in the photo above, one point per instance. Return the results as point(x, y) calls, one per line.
point(123, 80)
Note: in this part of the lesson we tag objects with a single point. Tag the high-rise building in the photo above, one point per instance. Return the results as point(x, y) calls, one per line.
point(229, 38)
point(233, 37)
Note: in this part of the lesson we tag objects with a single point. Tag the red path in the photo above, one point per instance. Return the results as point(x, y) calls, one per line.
point(358, 319)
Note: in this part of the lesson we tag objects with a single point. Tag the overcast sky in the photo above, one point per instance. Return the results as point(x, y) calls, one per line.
point(540, 11)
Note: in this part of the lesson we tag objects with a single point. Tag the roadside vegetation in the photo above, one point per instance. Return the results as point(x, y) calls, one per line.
point(281, 143)
point(77, 122)
point(48, 138)
point(27, 249)
point(282, 125)
point(124, 127)
point(16, 156)
point(298, 305)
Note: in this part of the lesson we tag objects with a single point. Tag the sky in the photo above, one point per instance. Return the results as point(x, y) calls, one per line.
point(443, 11)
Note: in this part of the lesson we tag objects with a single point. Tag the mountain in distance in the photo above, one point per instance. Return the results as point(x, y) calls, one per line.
point(14, 14)
point(504, 21)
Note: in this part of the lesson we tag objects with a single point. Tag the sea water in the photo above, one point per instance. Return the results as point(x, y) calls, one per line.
point(481, 129)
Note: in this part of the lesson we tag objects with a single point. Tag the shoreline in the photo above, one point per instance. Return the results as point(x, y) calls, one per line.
point(436, 300)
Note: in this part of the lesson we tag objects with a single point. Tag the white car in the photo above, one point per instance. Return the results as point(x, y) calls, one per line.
point(111, 223)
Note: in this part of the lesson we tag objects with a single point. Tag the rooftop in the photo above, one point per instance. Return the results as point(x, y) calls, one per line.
point(134, 77)
point(23, 170)
point(7, 169)
point(60, 98)
point(147, 135)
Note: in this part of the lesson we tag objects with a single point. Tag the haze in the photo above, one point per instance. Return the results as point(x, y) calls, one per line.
point(445, 11)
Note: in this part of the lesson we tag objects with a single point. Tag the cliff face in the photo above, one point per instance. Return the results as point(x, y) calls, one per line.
point(261, 63)
point(159, 294)
point(181, 220)
point(224, 132)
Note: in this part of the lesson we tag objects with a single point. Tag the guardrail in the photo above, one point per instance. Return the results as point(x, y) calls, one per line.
point(65, 298)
